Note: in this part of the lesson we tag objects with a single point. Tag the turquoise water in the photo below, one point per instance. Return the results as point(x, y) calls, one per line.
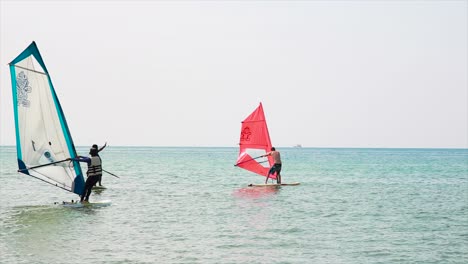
point(191, 205)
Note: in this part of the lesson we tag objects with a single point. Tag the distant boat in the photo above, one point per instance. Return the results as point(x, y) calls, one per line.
point(254, 143)
point(43, 141)
point(297, 146)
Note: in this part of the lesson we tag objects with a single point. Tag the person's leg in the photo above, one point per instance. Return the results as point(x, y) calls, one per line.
point(92, 182)
point(100, 178)
point(88, 193)
point(85, 195)
point(278, 174)
point(88, 181)
point(98, 181)
point(272, 170)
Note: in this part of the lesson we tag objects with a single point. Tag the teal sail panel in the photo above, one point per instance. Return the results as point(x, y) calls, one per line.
point(42, 135)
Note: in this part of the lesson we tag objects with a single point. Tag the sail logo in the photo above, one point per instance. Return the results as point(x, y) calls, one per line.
point(245, 134)
point(22, 89)
point(48, 156)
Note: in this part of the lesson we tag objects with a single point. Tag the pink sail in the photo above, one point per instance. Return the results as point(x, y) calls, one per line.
point(255, 142)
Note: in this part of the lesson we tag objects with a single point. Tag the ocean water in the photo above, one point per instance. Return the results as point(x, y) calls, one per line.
point(191, 205)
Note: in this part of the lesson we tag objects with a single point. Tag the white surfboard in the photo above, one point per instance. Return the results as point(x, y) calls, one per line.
point(274, 184)
point(78, 204)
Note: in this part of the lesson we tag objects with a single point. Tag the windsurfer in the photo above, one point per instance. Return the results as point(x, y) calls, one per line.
point(276, 166)
point(95, 146)
point(94, 171)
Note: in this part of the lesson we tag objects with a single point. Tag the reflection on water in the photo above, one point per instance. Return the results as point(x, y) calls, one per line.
point(98, 191)
point(256, 192)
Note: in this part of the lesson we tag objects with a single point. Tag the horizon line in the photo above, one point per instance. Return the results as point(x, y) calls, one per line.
point(291, 147)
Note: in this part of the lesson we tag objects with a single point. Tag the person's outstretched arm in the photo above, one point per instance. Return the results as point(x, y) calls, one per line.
point(82, 159)
point(105, 144)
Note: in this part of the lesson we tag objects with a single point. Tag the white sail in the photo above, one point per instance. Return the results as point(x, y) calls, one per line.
point(42, 134)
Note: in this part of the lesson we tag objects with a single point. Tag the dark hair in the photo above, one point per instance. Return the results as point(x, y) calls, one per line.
point(273, 149)
point(95, 146)
point(93, 152)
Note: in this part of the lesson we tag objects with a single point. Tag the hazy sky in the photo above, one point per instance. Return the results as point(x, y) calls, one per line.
point(186, 73)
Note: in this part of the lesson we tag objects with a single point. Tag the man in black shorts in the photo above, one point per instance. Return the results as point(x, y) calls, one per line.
point(276, 166)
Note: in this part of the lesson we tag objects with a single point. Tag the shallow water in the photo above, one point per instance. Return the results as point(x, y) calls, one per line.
point(191, 205)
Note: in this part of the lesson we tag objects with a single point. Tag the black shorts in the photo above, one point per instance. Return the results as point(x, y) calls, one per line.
point(275, 168)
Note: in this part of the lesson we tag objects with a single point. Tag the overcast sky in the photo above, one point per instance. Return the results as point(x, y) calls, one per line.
point(186, 73)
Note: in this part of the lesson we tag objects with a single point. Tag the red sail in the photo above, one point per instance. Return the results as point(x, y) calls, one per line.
point(255, 142)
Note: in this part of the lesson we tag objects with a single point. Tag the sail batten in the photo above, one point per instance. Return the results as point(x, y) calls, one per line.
point(42, 135)
point(24, 68)
point(254, 143)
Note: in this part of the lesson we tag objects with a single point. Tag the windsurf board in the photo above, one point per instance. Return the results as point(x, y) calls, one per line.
point(78, 204)
point(274, 184)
